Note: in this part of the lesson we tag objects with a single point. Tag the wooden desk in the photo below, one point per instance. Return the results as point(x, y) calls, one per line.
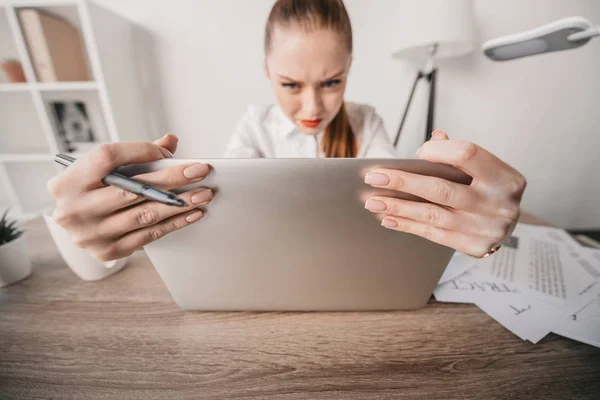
point(124, 338)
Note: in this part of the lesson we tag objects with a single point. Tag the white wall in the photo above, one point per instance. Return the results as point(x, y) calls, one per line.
point(540, 114)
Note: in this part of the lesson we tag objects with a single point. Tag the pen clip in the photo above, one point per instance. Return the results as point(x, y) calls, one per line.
point(64, 159)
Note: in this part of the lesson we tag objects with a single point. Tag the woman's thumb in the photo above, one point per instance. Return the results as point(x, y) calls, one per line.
point(439, 134)
point(169, 142)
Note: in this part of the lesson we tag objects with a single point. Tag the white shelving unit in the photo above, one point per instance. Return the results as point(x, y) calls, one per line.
point(113, 99)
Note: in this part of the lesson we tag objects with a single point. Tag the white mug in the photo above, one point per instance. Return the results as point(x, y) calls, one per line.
point(80, 260)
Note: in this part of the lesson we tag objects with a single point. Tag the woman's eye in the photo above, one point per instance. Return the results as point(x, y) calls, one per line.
point(290, 85)
point(331, 83)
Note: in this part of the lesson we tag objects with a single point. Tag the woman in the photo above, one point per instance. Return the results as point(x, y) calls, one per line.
point(308, 53)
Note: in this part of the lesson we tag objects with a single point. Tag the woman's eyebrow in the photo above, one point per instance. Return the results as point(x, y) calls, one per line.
point(285, 77)
point(335, 76)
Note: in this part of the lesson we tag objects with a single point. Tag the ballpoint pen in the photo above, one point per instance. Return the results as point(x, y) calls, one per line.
point(131, 185)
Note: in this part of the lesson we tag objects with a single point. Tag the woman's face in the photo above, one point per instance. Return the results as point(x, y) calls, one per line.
point(308, 73)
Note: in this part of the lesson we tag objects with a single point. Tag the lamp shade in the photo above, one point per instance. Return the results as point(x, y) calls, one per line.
point(422, 23)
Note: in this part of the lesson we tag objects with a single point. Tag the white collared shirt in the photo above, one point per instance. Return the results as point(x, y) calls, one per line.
point(266, 132)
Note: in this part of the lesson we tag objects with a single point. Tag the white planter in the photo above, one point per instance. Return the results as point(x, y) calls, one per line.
point(15, 264)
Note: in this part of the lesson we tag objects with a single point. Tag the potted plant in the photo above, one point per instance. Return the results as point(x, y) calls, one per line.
point(15, 264)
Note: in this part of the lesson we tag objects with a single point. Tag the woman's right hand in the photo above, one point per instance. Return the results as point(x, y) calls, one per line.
point(112, 223)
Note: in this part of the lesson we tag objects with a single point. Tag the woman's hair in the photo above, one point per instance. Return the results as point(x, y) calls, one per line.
point(312, 15)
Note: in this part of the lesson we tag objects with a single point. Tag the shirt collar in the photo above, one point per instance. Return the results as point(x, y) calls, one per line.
point(287, 126)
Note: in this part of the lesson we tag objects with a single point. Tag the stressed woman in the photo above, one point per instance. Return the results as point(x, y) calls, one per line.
point(308, 55)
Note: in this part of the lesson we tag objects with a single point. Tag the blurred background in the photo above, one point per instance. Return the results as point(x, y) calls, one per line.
point(137, 69)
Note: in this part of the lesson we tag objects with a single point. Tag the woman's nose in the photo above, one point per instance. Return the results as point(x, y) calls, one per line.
point(312, 104)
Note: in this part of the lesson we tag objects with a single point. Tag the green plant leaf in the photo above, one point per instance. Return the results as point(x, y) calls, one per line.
point(8, 229)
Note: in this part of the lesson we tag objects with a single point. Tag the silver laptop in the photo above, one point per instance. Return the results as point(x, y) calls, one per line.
point(293, 234)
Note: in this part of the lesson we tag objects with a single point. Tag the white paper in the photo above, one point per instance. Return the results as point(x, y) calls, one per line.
point(591, 311)
point(544, 263)
point(580, 329)
point(583, 326)
point(526, 317)
point(458, 265)
point(595, 255)
point(587, 257)
point(468, 288)
point(541, 281)
point(591, 262)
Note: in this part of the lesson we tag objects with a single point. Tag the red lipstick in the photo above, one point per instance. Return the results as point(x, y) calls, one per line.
point(311, 123)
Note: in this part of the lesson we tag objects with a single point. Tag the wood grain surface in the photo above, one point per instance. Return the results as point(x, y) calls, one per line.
point(124, 338)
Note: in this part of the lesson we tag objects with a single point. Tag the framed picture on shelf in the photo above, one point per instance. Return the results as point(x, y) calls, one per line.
point(72, 125)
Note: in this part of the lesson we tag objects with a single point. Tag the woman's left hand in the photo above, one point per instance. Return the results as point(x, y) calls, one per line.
point(472, 219)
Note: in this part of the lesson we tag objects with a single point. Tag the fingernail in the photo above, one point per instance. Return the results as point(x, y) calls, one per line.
point(194, 216)
point(195, 171)
point(389, 223)
point(438, 134)
point(166, 153)
point(204, 196)
point(376, 178)
point(375, 205)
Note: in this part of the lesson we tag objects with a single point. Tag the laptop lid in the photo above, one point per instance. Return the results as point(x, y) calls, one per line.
point(293, 234)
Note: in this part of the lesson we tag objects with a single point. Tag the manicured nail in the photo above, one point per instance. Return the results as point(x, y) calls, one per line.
point(438, 134)
point(166, 153)
point(376, 178)
point(202, 197)
point(195, 171)
point(375, 205)
point(389, 223)
point(194, 216)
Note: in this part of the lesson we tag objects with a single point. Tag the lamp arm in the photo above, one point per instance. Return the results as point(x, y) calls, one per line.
point(584, 35)
point(564, 34)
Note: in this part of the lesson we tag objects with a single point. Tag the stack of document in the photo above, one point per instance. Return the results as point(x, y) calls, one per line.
point(541, 281)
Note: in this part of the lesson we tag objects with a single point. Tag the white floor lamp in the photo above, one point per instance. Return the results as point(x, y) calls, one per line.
point(428, 31)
